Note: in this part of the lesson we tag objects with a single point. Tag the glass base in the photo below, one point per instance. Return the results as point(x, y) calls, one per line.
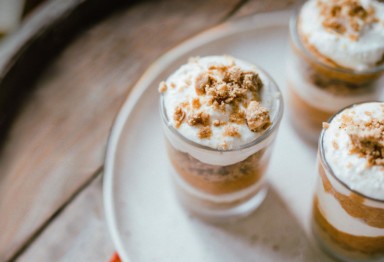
point(219, 208)
point(333, 250)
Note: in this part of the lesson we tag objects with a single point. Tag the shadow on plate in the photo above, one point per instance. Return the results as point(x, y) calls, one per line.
point(271, 233)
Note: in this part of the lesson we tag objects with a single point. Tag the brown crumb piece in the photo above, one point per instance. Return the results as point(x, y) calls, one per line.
point(325, 125)
point(335, 145)
point(227, 84)
point(367, 140)
point(178, 116)
point(184, 104)
point(224, 146)
point(346, 17)
point(218, 123)
point(196, 103)
point(231, 131)
point(202, 81)
point(198, 118)
point(162, 87)
point(204, 132)
point(347, 120)
point(218, 106)
point(335, 26)
point(257, 117)
point(237, 117)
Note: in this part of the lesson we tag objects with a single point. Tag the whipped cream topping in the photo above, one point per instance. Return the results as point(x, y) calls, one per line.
point(214, 119)
point(348, 32)
point(353, 146)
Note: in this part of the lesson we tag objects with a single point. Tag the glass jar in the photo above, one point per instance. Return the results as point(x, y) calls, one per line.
point(347, 224)
point(318, 88)
point(217, 184)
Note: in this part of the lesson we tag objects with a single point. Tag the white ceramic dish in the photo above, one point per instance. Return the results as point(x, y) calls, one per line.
point(144, 218)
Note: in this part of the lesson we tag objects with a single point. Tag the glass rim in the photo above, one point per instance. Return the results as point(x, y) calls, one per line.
point(293, 29)
point(267, 133)
point(325, 162)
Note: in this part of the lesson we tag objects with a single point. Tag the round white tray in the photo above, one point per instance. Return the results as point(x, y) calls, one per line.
point(144, 218)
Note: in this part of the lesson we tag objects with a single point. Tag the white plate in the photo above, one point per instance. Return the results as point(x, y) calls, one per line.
point(144, 218)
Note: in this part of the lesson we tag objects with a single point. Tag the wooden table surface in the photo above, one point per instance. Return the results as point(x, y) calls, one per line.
point(51, 204)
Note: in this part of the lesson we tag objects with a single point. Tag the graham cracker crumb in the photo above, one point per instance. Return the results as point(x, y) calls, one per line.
point(335, 26)
point(218, 123)
point(162, 87)
point(224, 146)
point(367, 140)
point(198, 118)
point(335, 145)
point(346, 17)
point(226, 84)
point(196, 103)
point(202, 81)
point(237, 117)
point(184, 104)
point(173, 85)
point(231, 131)
point(257, 117)
point(178, 116)
point(218, 106)
point(346, 121)
point(204, 132)
point(325, 125)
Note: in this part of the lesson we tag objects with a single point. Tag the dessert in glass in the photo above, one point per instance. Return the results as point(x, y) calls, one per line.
point(348, 210)
point(220, 117)
point(336, 59)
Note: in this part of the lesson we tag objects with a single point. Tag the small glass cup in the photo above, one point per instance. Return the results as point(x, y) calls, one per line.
point(336, 210)
point(318, 88)
point(220, 185)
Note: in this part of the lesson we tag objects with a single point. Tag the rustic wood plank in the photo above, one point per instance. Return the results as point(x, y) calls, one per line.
point(24, 55)
point(58, 140)
point(79, 235)
point(254, 6)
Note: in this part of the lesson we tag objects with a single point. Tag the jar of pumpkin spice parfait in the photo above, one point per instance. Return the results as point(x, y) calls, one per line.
point(336, 59)
point(220, 119)
point(348, 210)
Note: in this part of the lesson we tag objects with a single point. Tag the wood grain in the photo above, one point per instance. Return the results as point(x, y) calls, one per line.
point(58, 140)
point(79, 235)
point(254, 7)
point(24, 55)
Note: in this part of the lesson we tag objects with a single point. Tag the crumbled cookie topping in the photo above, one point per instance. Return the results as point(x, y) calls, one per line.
point(227, 84)
point(219, 123)
point(198, 118)
point(204, 132)
point(162, 87)
point(218, 99)
point(231, 131)
point(367, 140)
point(196, 103)
point(346, 17)
point(257, 117)
point(178, 116)
point(237, 117)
